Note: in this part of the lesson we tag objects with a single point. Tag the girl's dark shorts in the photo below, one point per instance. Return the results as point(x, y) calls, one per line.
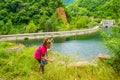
point(43, 62)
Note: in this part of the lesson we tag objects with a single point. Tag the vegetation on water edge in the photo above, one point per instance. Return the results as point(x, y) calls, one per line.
point(20, 65)
point(112, 42)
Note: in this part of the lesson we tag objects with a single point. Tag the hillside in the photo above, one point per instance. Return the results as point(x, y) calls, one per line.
point(24, 16)
point(15, 15)
point(97, 8)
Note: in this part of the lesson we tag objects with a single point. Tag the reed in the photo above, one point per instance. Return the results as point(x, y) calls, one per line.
point(22, 66)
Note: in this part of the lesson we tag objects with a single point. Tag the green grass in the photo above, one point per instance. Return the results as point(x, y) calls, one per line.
point(22, 66)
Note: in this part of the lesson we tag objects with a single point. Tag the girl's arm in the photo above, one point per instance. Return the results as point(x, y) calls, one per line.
point(50, 60)
point(45, 58)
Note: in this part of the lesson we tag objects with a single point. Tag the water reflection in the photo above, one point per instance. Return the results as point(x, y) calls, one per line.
point(86, 49)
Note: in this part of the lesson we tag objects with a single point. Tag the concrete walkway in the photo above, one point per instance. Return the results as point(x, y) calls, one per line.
point(47, 34)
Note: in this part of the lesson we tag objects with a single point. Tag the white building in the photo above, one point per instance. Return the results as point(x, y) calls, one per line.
point(107, 23)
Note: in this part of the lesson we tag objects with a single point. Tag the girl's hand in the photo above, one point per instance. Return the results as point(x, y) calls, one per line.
point(50, 60)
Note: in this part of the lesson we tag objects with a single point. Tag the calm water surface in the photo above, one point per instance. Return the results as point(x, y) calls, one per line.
point(86, 49)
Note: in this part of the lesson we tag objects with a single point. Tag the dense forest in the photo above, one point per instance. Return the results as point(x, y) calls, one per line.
point(108, 9)
point(19, 16)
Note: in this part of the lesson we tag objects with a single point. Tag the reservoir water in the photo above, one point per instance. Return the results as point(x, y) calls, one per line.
point(87, 49)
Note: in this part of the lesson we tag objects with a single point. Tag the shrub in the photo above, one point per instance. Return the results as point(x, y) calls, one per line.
point(112, 41)
point(31, 27)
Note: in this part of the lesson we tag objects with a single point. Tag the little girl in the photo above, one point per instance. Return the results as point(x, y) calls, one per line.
point(40, 54)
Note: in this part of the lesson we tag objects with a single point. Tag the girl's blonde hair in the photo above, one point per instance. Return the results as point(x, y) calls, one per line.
point(46, 41)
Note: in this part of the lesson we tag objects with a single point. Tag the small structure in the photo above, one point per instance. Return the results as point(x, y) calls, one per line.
point(107, 23)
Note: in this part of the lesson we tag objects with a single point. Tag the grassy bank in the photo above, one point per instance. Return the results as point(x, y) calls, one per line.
point(20, 65)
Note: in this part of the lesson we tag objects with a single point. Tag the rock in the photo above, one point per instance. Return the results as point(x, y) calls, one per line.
point(15, 48)
point(103, 57)
point(80, 64)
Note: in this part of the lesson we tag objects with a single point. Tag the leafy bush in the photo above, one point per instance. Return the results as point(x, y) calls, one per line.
point(113, 44)
point(92, 24)
point(26, 38)
point(81, 22)
point(31, 27)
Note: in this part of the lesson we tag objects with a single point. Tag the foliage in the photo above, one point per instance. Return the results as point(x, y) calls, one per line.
point(16, 15)
point(31, 27)
point(22, 66)
point(42, 21)
point(116, 9)
point(21, 12)
point(96, 8)
point(80, 22)
point(112, 40)
point(1, 26)
point(92, 23)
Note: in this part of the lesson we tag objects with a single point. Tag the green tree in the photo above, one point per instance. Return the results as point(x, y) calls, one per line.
point(1, 27)
point(112, 41)
point(7, 27)
point(3, 14)
point(49, 25)
point(81, 22)
point(21, 12)
point(116, 8)
point(42, 21)
point(31, 27)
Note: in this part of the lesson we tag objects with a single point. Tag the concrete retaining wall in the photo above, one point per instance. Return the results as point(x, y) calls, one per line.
point(47, 34)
